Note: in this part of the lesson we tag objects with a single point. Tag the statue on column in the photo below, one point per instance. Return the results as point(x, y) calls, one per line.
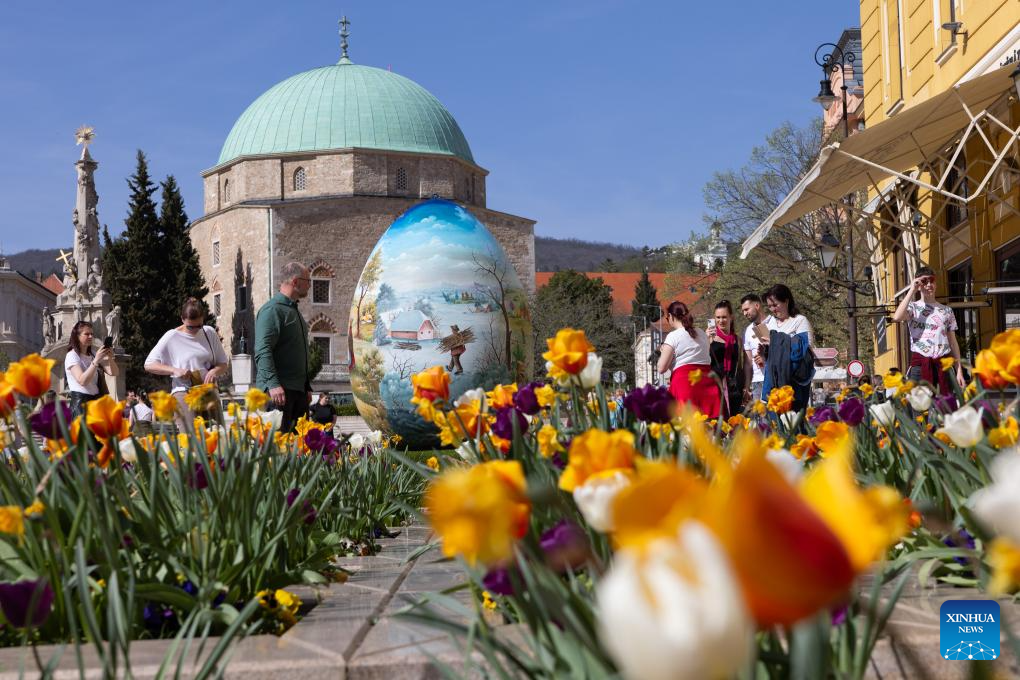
point(49, 329)
point(113, 325)
point(95, 280)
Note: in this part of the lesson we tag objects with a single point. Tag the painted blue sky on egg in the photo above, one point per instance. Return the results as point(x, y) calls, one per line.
point(437, 242)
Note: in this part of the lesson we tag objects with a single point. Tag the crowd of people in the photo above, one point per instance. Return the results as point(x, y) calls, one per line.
point(713, 368)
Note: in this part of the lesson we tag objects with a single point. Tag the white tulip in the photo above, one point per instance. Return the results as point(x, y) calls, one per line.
point(789, 419)
point(964, 426)
point(477, 394)
point(128, 453)
point(273, 418)
point(998, 505)
point(591, 374)
point(24, 453)
point(786, 463)
point(595, 497)
point(374, 437)
point(920, 398)
point(676, 612)
point(884, 413)
point(357, 441)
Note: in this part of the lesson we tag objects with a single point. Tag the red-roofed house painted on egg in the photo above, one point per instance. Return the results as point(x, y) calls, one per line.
point(412, 324)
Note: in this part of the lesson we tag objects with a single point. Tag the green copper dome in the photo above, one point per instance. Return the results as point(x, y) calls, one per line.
point(344, 106)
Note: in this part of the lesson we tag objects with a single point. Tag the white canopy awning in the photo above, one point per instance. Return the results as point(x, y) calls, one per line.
point(892, 147)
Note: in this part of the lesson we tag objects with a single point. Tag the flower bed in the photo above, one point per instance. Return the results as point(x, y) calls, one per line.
point(106, 539)
point(675, 547)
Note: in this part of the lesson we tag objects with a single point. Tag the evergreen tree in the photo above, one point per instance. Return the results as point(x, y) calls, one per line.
point(646, 299)
point(134, 278)
point(184, 269)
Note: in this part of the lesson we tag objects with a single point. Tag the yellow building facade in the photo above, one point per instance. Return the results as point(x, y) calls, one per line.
point(914, 51)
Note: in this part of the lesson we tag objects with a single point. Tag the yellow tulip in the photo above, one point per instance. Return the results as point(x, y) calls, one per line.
point(548, 441)
point(1006, 434)
point(31, 375)
point(431, 384)
point(597, 451)
point(892, 380)
point(781, 399)
point(163, 405)
point(480, 511)
point(831, 435)
point(12, 520)
point(546, 395)
point(502, 396)
point(660, 497)
point(1004, 558)
point(568, 351)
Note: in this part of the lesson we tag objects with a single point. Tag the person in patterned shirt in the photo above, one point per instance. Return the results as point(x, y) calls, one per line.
point(932, 329)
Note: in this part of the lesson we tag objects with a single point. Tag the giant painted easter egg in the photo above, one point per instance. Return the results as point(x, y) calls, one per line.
point(437, 290)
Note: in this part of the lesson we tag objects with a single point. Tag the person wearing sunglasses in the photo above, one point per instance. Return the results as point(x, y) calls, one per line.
point(932, 328)
point(191, 354)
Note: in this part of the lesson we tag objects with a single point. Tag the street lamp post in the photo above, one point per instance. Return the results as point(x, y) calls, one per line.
point(837, 60)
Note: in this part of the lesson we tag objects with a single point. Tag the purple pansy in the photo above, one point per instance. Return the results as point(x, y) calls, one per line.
point(498, 582)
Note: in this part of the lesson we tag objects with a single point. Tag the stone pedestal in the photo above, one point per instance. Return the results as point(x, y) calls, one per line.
point(116, 385)
point(242, 369)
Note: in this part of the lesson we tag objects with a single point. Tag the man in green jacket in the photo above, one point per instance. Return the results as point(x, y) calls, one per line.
point(281, 347)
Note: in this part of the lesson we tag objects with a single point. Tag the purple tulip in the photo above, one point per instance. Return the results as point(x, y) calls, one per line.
point(320, 440)
point(565, 545)
point(526, 400)
point(651, 404)
point(838, 615)
point(852, 411)
point(498, 582)
point(310, 513)
point(946, 403)
point(504, 427)
point(558, 461)
point(16, 602)
point(198, 479)
point(822, 414)
point(46, 423)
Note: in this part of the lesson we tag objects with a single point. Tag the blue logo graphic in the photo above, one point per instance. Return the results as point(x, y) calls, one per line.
point(969, 629)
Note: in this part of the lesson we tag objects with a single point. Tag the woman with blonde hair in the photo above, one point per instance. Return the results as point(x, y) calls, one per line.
point(685, 356)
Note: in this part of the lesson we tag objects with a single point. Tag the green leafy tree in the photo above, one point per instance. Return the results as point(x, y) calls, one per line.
point(183, 260)
point(646, 299)
point(571, 299)
point(741, 199)
point(314, 360)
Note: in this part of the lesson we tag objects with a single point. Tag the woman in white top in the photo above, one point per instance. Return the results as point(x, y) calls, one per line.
point(191, 354)
point(83, 368)
point(684, 354)
point(798, 370)
point(932, 328)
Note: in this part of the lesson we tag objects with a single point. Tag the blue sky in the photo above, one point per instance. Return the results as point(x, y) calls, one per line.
point(601, 119)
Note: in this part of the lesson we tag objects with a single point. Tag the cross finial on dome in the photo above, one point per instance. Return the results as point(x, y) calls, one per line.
point(344, 34)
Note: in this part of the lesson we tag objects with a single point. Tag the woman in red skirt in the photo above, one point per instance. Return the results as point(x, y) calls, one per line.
point(685, 353)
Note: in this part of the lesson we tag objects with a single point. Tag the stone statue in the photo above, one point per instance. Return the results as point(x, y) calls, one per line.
point(113, 325)
point(49, 329)
point(79, 310)
point(95, 280)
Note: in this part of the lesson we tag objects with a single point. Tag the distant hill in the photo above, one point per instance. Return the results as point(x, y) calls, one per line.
point(555, 254)
point(30, 262)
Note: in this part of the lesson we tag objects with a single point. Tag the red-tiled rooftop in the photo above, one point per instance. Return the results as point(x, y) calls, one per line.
point(668, 286)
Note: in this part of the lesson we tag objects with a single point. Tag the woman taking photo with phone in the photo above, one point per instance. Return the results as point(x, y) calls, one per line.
point(725, 350)
point(84, 369)
point(684, 355)
point(191, 354)
point(932, 328)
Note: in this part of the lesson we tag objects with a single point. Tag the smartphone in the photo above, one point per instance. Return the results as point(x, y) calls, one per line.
point(762, 331)
point(711, 324)
point(107, 342)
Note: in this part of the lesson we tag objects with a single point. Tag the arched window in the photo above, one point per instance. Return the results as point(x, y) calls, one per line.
point(321, 288)
point(226, 191)
point(299, 179)
point(401, 179)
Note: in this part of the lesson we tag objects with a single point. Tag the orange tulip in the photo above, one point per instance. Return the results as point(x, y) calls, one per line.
point(104, 417)
point(568, 351)
point(661, 496)
point(831, 435)
point(8, 400)
point(999, 365)
point(431, 384)
point(31, 375)
point(789, 562)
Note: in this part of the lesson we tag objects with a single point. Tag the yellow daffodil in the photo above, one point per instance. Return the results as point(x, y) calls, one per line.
point(12, 520)
point(480, 511)
point(781, 399)
point(548, 441)
point(597, 451)
point(867, 390)
point(234, 409)
point(568, 351)
point(758, 408)
point(163, 405)
point(892, 380)
point(1006, 434)
point(30, 376)
point(35, 509)
point(255, 399)
point(546, 395)
point(487, 601)
point(201, 397)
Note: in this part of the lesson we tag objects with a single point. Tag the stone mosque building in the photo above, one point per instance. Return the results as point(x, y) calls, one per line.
point(315, 170)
